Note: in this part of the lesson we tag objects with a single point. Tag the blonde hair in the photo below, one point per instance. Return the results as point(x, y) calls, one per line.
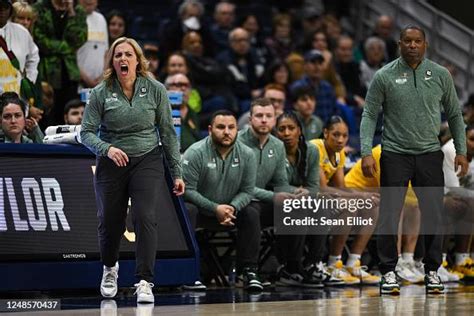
point(142, 67)
point(24, 8)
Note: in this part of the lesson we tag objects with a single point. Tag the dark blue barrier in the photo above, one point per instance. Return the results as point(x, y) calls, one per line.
point(48, 224)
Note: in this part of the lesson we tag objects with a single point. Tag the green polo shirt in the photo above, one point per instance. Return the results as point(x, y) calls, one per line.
point(271, 171)
point(211, 180)
point(130, 125)
point(311, 170)
point(412, 100)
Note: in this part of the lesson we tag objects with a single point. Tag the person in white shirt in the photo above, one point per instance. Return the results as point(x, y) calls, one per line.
point(459, 203)
point(91, 55)
point(16, 39)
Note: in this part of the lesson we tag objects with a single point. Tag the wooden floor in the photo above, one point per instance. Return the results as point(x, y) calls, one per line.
point(459, 300)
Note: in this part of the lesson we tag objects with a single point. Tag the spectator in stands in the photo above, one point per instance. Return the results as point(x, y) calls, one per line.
point(128, 106)
point(24, 14)
point(244, 67)
point(278, 73)
point(73, 112)
point(277, 96)
point(19, 60)
point(177, 64)
point(59, 31)
point(15, 121)
point(47, 97)
point(281, 43)
point(349, 71)
point(272, 180)
point(304, 103)
point(469, 110)
point(220, 172)
point(374, 49)
point(151, 51)
point(91, 55)
point(250, 23)
point(301, 159)
point(190, 18)
point(325, 97)
point(116, 25)
point(319, 41)
point(224, 16)
point(311, 20)
point(210, 78)
point(190, 132)
point(333, 30)
point(384, 28)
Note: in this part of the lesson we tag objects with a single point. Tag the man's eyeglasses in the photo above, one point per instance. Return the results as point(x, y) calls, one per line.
point(180, 84)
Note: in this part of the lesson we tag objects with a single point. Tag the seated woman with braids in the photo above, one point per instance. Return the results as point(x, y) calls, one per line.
point(301, 156)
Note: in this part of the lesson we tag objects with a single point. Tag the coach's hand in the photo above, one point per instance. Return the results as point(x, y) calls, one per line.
point(118, 156)
point(369, 167)
point(460, 162)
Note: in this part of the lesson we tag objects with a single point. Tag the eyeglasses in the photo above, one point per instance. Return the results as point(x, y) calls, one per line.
point(180, 84)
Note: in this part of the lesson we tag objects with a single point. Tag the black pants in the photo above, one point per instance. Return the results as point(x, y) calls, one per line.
point(139, 180)
point(426, 174)
point(248, 231)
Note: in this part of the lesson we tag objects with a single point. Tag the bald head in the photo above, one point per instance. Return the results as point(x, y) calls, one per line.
point(239, 40)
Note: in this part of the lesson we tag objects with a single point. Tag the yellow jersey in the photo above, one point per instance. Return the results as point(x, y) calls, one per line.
point(356, 179)
point(324, 163)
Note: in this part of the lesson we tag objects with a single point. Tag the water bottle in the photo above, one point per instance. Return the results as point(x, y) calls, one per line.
point(176, 99)
point(85, 94)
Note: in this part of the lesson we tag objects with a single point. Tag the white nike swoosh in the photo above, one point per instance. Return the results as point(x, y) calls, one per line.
point(428, 78)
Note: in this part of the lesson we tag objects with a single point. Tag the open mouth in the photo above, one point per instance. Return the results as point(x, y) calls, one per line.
point(124, 69)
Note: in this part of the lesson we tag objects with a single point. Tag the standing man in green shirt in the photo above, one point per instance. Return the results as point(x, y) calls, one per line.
point(411, 90)
point(220, 178)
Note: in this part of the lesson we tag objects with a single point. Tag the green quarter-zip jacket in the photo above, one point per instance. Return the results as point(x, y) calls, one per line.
point(211, 180)
point(311, 170)
point(130, 125)
point(411, 100)
point(271, 171)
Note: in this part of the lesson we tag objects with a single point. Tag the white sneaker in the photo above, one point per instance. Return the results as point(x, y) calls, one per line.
point(418, 270)
point(404, 271)
point(144, 292)
point(447, 276)
point(108, 285)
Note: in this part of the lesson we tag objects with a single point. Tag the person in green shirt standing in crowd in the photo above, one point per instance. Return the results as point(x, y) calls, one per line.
point(411, 90)
point(127, 107)
point(59, 31)
point(219, 173)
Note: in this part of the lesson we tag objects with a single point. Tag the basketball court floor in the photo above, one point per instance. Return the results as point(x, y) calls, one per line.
point(364, 300)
